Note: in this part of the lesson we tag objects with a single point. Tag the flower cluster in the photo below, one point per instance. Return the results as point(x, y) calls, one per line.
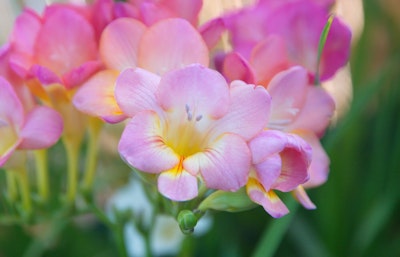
point(230, 106)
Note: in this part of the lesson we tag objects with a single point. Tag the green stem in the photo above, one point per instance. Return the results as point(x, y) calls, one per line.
point(92, 153)
point(72, 149)
point(23, 182)
point(42, 174)
point(12, 190)
point(274, 233)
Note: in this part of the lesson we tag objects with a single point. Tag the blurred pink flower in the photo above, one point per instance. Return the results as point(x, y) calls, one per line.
point(128, 43)
point(39, 128)
point(190, 124)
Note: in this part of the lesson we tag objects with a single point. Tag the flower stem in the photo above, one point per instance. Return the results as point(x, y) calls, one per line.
point(91, 156)
point(42, 174)
point(72, 149)
point(12, 190)
point(23, 183)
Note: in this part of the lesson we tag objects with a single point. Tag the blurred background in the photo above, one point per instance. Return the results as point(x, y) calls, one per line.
point(358, 209)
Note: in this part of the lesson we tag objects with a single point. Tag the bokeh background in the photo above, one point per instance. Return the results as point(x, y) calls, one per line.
point(358, 210)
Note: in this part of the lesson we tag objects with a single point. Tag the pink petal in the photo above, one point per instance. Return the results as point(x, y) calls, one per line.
point(265, 144)
point(11, 109)
point(235, 67)
point(23, 38)
point(181, 45)
point(212, 32)
point(269, 200)
point(268, 58)
point(223, 165)
point(268, 171)
point(64, 49)
point(135, 91)
point(42, 129)
point(196, 90)
point(316, 113)
point(189, 10)
point(96, 97)
point(301, 196)
point(119, 43)
point(152, 13)
point(177, 186)
point(319, 168)
point(288, 90)
point(296, 159)
point(248, 112)
point(142, 146)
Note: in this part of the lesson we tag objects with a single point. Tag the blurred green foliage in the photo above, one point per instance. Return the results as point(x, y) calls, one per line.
point(358, 208)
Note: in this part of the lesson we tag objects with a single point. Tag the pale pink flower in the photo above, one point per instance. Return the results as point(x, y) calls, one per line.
point(189, 125)
point(128, 43)
point(279, 162)
point(39, 128)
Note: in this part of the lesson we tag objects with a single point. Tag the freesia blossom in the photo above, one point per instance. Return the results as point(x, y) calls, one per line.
point(265, 41)
point(189, 125)
point(54, 51)
point(40, 128)
point(280, 162)
point(128, 43)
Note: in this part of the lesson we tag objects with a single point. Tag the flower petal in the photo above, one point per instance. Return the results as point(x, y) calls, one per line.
point(316, 113)
point(64, 49)
point(42, 129)
point(119, 43)
point(288, 90)
point(301, 196)
point(142, 146)
point(11, 109)
point(223, 165)
point(195, 89)
point(181, 45)
point(212, 32)
point(96, 97)
point(135, 91)
point(235, 67)
point(268, 58)
point(177, 186)
point(269, 200)
point(248, 112)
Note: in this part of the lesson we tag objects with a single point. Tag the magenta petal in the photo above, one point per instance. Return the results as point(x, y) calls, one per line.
point(44, 75)
point(142, 146)
point(181, 45)
point(248, 112)
point(195, 89)
point(189, 10)
point(96, 97)
point(288, 90)
point(79, 75)
point(119, 43)
point(223, 165)
point(135, 91)
point(177, 187)
point(42, 129)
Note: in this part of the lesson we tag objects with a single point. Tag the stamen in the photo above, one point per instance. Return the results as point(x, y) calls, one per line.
point(199, 117)
point(189, 114)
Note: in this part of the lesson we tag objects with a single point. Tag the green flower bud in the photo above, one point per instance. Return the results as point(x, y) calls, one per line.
point(227, 201)
point(187, 220)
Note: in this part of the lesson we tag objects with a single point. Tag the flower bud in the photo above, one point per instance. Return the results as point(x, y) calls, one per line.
point(187, 221)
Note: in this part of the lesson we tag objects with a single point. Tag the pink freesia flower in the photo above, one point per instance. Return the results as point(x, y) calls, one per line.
point(39, 128)
point(280, 162)
point(305, 110)
point(128, 43)
point(52, 50)
point(189, 125)
point(272, 36)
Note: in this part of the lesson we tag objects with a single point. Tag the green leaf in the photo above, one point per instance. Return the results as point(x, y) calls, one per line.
point(321, 45)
